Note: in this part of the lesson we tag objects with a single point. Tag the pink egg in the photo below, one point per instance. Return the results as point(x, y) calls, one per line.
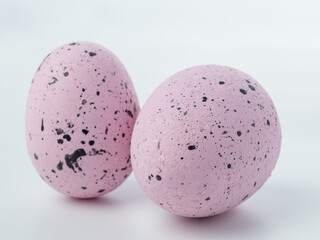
point(205, 141)
point(79, 119)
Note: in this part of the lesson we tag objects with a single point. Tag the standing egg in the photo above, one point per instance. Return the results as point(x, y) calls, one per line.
point(205, 141)
point(80, 114)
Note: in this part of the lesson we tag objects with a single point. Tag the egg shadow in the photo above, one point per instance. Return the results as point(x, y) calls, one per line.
point(127, 193)
point(276, 207)
point(98, 202)
point(235, 222)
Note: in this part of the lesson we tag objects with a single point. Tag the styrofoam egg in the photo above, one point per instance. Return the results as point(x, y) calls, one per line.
point(205, 141)
point(80, 114)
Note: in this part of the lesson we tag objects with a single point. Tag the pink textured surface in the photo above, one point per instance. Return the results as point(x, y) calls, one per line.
point(205, 141)
point(80, 114)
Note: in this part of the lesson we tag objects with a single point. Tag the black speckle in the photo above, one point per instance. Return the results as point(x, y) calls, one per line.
point(66, 74)
point(35, 156)
point(129, 113)
point(123, 169)
point(243, 91)
point(59, 166)
point(255, 183)
point(85, 131)
point(192, 147)
point(71, 159)
point(252, 87)
point(52, 170)
point(268, 122)
point(207, 199)
point(204, 99)
point(221, 82)
point(54, 81)
point(101, 190)
point(42, 127)
point(106, 131)
point(41, 64)
point(67, 137)
point(60, 141)
point(91, 142)
point(84, 188)
point(229, 165)
point(123, 135)
point(134, 108)
point(245, 197)
point(98, 93)
point(84, 102)
point(158, 177)
point(59, 131)
point(91, 54)
point(239, 133)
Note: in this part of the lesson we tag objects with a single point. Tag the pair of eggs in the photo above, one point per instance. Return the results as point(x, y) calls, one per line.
point(206, 139)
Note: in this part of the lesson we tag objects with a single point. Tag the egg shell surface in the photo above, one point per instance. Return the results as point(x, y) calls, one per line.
point(80, 115)
point(205, 141)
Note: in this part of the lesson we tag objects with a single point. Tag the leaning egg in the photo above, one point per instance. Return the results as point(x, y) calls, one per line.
point(205, 141)
point(80, 114)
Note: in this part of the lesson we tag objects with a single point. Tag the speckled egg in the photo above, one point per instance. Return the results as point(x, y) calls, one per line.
point(205, 141)
point(80, 115)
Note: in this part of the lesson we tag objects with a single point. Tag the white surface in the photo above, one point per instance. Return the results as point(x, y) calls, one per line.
point(276, 42)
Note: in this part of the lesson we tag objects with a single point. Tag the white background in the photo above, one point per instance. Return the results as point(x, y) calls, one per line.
point(276, 42)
